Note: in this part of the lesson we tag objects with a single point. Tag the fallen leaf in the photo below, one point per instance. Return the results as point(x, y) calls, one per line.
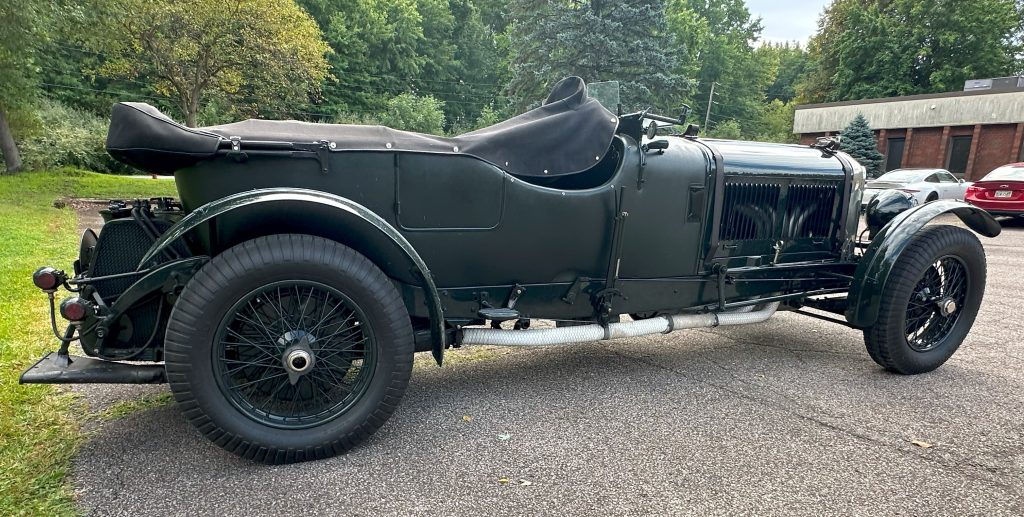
point(921, 444)
point(525, 482)
point(504, 437)
point(467, 418)
point(503, 481)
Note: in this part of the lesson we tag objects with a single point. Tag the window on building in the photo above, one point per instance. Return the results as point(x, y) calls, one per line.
point(959, 152)
point(894, 153)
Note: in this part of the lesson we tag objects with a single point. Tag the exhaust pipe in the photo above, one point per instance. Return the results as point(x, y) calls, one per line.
point(585, 333)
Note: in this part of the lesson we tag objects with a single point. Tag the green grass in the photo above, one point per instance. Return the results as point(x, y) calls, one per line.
point(38, 424)
point(128, 407)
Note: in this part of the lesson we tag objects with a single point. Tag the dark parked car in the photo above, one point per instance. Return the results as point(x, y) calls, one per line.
point(287, 290)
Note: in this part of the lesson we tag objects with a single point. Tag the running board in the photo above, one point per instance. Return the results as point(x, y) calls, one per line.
point(63, 369)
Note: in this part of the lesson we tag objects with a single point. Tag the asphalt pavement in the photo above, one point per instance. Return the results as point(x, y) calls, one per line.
point(789, 417)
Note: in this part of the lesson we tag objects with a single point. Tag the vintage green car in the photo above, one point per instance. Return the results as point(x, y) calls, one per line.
point(287, 290)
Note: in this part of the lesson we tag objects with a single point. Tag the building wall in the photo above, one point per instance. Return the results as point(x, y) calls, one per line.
point(994, 148)
point(924, 147)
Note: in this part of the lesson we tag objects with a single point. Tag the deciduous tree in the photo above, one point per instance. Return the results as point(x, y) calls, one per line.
point(24, 25)
point(260, 54)
point(716, 40)
point(880, 48)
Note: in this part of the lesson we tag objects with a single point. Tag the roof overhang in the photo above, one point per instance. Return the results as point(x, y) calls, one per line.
point(939, 110)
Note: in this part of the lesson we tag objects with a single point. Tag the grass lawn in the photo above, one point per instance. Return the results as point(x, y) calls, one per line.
point(38, 425)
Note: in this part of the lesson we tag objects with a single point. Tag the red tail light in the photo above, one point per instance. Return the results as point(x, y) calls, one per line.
point(75, 309)
point(908, 190)
point(48, 278)
point(973, 190)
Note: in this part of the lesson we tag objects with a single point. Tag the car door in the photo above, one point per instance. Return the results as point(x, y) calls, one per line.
point(952, 188)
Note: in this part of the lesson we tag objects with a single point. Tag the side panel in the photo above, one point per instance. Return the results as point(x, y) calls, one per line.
point(453, 193)
point(663, 233)
point(474, 226)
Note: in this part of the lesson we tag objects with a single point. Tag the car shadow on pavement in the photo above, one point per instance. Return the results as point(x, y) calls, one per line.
point(600, 416)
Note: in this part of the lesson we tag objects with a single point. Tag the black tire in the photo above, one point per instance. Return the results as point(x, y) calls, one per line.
point(932, 197)
point(216, 404)
point(911, 338)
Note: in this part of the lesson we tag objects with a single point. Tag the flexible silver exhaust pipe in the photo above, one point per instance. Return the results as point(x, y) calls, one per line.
point(585, 333)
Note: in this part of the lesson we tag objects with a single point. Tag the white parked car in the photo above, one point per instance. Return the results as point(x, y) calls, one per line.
point(924, 184)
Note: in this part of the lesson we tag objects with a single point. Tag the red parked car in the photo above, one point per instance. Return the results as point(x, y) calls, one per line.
point(1000, 192)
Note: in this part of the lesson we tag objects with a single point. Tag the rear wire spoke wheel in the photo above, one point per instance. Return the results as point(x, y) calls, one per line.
point(930, 301)
point(287, 348)
point(294, 354)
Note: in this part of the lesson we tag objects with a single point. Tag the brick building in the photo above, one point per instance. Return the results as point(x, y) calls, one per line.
point(969, 132)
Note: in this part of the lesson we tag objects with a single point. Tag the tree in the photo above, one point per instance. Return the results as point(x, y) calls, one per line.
point(411, 113)
point(859, 142)
point(792, 64)
point(728, 130)
point(716, 44)
point(375, 51)
point(24, 25)
point(777, 121)
point(598, 40)
point(264, 54)
point(880, 48)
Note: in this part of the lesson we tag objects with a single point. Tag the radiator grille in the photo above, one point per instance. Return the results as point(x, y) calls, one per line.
point(810, 211)
point(748, 211)
point(751, 210)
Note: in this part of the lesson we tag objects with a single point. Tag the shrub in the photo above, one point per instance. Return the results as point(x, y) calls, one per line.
point(729, 130)
point(413, 113)
point(67, 137)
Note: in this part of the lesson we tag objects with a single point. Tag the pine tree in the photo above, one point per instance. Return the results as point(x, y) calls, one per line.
point(859, 142)
point(598, 40)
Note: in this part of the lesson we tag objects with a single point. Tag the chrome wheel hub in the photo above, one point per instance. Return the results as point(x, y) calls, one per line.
point(298, 358)
point(947, 307)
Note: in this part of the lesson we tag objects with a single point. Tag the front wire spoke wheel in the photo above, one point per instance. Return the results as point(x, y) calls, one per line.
point(929, 301)
point(934, 305)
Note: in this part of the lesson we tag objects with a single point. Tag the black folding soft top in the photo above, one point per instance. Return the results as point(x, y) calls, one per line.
point(569, 133)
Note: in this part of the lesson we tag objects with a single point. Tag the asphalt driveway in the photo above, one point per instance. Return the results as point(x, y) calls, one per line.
point(787, 417)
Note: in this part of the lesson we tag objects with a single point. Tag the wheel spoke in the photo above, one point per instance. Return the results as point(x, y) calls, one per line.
point(277, 320)
point(927, 325)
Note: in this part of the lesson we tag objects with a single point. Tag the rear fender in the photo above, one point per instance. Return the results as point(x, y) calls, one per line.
point(347, 211)
point(873, 270)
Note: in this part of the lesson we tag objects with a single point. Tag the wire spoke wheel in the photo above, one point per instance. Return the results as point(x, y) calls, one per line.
point(294, 354)
point(288, 348)
point(935, 303)
point(929, 301)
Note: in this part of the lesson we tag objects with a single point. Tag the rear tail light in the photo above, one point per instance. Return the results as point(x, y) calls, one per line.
point(48, 278)
point(75, 309)
point(908, 190)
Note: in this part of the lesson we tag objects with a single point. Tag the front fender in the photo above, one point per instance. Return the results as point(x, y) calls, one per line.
point(873, 270)
point(345, 206)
